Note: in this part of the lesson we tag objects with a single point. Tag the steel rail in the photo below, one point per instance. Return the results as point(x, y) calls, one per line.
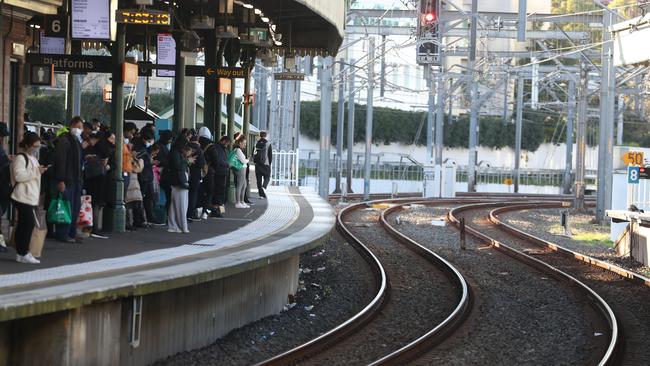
point(452, 322)
point(494, 217)
point(358, 320)
point(605, 310)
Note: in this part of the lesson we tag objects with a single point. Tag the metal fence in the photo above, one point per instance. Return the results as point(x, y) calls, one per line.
point(284, 170)
point(529, 177)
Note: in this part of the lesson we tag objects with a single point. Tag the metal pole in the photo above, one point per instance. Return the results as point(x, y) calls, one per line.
point(428, 75)
point(273, 118)
point(611, 113)
point(473, 120)
point(350, 145)
point(296, 140)
point(210, 85)
point(604, 120)
point(246, 121)
point(218, 110)
point(325, 128)
point(505, 100)
point(620, 120)
point(371, 85)
point(568, 182)
point(518, 126)
point(521, 23)
point(583, 92)
point(339, 128)
point(179, 90)
point(440, 118)
point(117, 123)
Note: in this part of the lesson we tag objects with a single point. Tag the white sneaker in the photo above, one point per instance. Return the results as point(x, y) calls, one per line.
point(174, 231)
point(204, 216)
point(27, 258)
point(246, 205)
point(239, 205)
point(2, 241)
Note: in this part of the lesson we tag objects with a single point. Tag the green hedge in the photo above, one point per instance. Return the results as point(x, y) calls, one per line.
point(393, 125)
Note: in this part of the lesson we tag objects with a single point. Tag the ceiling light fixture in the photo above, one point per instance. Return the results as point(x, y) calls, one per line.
point(248, 6)
point(265, 19)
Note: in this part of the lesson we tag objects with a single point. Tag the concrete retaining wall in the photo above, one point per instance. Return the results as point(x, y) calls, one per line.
point(172, 321)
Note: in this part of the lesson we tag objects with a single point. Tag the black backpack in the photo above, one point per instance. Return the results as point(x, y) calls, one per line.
point(259, 150)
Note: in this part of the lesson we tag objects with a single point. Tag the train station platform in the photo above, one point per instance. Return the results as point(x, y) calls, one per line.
point(139, 297)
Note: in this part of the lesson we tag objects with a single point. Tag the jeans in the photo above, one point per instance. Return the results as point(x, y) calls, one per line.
point(25, 226)
point(72, 193)
point(263, 176)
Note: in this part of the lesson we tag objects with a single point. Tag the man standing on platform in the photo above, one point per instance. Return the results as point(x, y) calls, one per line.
point(68, 176)
point(262, 158)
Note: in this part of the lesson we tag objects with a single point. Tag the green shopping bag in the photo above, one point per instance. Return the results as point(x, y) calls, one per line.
point(59, 211)
point(233, 161)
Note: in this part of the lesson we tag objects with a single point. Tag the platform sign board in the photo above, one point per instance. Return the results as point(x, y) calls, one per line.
point(56, 26)
point(215, 71)
point(291, 76)
point(91, 19)
point(165, 53)
point(73, 63)
point(633, 174)
point(41, 75)
point(630, 40)
point(52, 45)
point(633, 158)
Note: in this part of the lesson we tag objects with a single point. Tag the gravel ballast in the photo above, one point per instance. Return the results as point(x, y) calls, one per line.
point(545, 224)
point(520, 317)
point(420, 298)
point(335, 283)
point(628, 300)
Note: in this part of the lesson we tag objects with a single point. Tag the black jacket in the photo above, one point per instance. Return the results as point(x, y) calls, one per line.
point(67, 160)
point(163, 155)
point(196, 168)
point(178, 169)
point(140, 151)
point(217, 157)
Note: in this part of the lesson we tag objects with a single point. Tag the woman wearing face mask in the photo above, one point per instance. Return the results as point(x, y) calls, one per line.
point(26, 178)
point(142, 150)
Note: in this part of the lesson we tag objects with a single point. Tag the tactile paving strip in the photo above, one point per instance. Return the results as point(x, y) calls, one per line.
point(282, 211)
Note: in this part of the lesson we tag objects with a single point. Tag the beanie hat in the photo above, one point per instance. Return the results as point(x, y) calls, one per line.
point(205, 132)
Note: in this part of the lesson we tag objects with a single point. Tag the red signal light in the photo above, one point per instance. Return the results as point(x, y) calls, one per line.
point(430, 17)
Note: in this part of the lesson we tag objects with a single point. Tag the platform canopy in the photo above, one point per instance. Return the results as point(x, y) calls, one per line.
point(36, 6)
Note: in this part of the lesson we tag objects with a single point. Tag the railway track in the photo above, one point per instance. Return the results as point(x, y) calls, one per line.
point(420, 298)
point(618, 288)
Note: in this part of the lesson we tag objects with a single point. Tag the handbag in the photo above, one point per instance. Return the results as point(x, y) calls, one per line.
point(38, 234)
point(85, 212)
point(234, 161)
point(59, 211)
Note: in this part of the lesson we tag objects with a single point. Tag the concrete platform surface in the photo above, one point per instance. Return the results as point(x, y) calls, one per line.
point(295, 220)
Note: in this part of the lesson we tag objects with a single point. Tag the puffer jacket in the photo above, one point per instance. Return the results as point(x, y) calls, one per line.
point(26, 178)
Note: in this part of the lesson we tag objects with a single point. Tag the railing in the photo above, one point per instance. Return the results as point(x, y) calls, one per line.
point(284, 169)
point(37, 126)
point(530, 177)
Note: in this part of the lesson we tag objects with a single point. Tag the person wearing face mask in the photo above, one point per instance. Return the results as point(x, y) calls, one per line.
point(142, 150)
point(68, 176)
point(162, 162)
point(26, 178)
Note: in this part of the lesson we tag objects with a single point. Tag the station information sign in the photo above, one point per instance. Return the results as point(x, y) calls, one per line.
point(166, 53)
point(215, 71)
point(292, 76)
point(52, 45)
point(144, 17)
point(91, 19)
